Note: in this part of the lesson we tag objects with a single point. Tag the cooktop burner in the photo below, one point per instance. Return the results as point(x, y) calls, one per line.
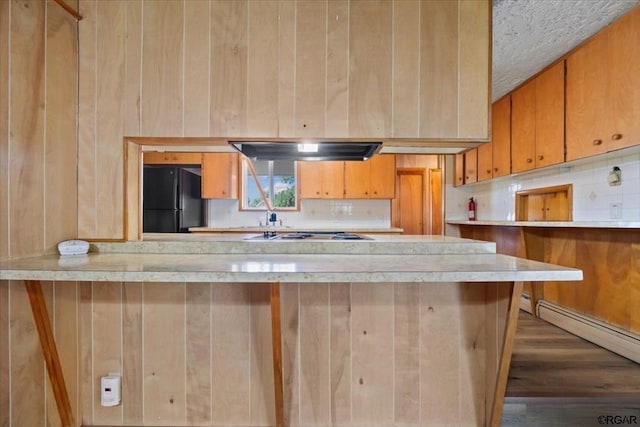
point(315, 235)
point(296, 236)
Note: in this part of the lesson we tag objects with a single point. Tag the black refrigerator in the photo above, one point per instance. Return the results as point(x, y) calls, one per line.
point(171, 200)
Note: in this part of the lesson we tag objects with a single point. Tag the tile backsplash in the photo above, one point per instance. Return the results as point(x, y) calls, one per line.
point(593, 198)
point(312, 213)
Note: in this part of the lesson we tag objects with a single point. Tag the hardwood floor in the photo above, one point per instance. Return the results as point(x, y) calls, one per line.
point(559, 379)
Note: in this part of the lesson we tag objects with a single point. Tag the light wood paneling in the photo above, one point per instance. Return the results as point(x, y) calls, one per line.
point(287, 67)
point(310, 85)
point(438, 56)
point(337, 94)
point(196, 67)
point(406, 350)
point(163, 358)
point(262, 68)
point(372, 357)
point(133, 78)
point(228, 68)
point(231, 354)
point(132, 380)
point(5, 391)
point(340, 358)
point(5, 30)
point(474, 68)
point(315, 398)
point(162, 68)
point(87, 162)
point(109, 123)
point(289, 294)
point(27, 130)
point(107, 349)
point(370, 63)
point(198, 353)
point(60, 131)
point(86, 356)
point(406, 66)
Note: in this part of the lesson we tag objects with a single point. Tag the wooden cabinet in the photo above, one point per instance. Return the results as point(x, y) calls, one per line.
point(603, 90)
point(372, 179)
point(485, 161)
point(501, 136)
point(220, 175)
point(170, 158)
point(545, 204)
point(321, 180)
point(458, 170)
point(471, 166)
point(537, 121)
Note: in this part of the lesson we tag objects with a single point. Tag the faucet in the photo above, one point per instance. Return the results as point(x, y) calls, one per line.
point(272, 218)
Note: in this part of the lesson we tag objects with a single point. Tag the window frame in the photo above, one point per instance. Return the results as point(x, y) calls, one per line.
point(245, 174)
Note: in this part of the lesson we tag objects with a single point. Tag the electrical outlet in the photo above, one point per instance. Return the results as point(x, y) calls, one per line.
point(615, 210)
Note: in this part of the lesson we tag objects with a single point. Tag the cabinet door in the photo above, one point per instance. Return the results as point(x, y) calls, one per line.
point(485, 161)
point(586, 94)
point(470, 166)
point(356, 179)
point(523, 127)
point(310, 177)
point(549, 116)
point(166, 158)
point(624, 82)
point(219, 176)
point(382, 176)
point(458, 170)
point(332, 180)
point(501, 136)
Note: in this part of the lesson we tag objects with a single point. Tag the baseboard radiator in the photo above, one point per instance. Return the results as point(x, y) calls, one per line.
point(624, 343)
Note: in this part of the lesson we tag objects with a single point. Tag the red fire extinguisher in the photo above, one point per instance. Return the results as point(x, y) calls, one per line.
point(472, 209)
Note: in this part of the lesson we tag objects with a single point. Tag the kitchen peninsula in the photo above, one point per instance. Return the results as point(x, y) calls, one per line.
point(398, 329)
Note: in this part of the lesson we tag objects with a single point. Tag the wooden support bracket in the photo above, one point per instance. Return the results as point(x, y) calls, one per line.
point(50, 352)
point(505, 355)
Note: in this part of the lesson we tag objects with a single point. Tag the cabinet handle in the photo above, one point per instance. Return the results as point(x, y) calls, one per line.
point(317, 192)
point(597, 142)
point(488, 170)
point(529, 160)
point(616, 136)
point(466, 177)
point(540, 157)
point(495, 169)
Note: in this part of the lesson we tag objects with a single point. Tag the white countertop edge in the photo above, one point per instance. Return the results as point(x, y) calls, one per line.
point(554, 224)
point(294, 277)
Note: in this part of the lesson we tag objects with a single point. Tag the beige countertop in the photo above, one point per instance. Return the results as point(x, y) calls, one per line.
point(292, 229)
point(285, 268)
point(230, 258)
point(556, 224)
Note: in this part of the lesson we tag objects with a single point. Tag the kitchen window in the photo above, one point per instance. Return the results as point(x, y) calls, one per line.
point(278, 181)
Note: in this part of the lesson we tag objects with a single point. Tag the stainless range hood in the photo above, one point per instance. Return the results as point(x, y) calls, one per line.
point(347, 150)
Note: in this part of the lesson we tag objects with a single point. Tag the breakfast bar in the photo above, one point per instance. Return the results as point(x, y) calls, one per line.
point(396, 329)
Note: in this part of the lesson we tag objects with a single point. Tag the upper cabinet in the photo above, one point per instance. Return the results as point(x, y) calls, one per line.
point(171, 158)
point(501, 136)
point(359, 69)
point(603, 90)
point(537, 120)
point(220, 175)
point(471, 166)
point(371, 179)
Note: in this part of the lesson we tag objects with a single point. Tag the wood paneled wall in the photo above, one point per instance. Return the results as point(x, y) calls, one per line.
point(38, 198)
point(337, 68)
point(353, 354)
point(609, 259)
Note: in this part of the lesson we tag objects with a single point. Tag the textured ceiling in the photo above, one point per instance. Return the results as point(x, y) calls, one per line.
point(530, 34)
